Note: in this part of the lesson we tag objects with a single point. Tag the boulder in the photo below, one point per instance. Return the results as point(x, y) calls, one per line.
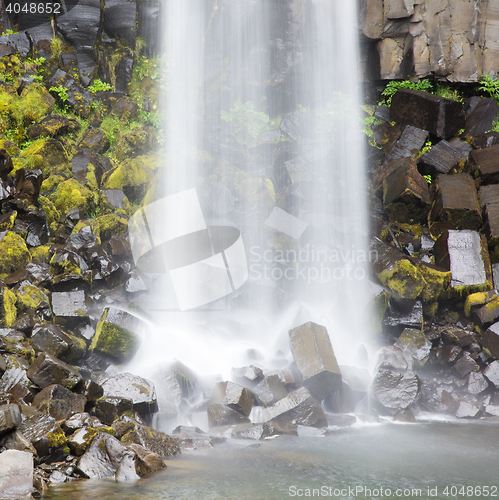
point(15, 440)
point(28, 184)
point(43, 432)
point(392, 358)
point(465, 254)
point(455, 204)
point(50, 339)
point(395, 390)
point(403, 314)
point(298, 407)
point(10, 418)
point(69, 304)
point(47, 370)
point(486, 164)
point(52, 125)
point(8, 310)
point(109, 408)
point(146, 462)
point(247, 376)
point(405, 195)
point(90, 389)
point(465, 365)
point(116, 335)
point(492, 373)
point(14, 381)
point(481, 118)
point(119, 16)
point(229, 403)
point(408, 144)
point(115, 198)
point(78, 421)
point(193, 437)
point(87, 168)
point(490, 340)
point(140, 390)
point(80, 440)
point(270, 389)
point(476, 383)
point(59, 402)
point(152, 440)
point(315, 359)
point(442, 158)
point(438, 115)
point(16, 475)
point(416, 345)
point(14, 253)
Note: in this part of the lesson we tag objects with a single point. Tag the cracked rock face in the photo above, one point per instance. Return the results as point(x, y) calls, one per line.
point(449, 38)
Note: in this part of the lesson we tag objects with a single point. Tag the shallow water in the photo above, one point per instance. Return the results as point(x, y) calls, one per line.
point(395, 457)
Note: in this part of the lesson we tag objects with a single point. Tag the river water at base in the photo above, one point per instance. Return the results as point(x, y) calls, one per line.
point(440, 460)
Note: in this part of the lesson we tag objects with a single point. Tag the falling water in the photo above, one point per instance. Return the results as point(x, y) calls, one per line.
point(263, 179)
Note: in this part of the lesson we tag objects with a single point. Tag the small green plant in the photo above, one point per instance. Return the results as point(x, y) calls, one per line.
point(56, 47)
point(428, 145)
point(62, 92)
point(369, 123)
point(9, 32)
point(98, 85)
point(393, 86)
point(249, 124)
point(428, 178)
point(490, 86)
point(444, 90)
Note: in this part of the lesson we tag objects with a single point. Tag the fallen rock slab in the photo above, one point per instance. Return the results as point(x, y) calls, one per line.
point(47, 370)
point(395, 390)
point(16, 475)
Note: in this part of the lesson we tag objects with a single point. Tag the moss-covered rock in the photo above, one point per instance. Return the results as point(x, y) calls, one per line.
point(8, 310)
point(132, 176)
point(18, 346)
point(49, 155)
point(76, 351)
point(81, 439)
point(30, 296)
point(11, 147)
point(52, 125)
point(92, 224)
point(14, 253)
point(71, 194)
point(437, 281)
point(476, 300)
point(96, 140)
point(41, 253)
point(403, 280)
point(57, 438)
point(7, 221)
point(112, 224)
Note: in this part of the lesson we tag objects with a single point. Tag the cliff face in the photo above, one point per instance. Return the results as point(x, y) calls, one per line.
point(455, 39)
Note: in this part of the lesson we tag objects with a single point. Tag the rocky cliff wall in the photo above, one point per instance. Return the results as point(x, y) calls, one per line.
point(453, 39)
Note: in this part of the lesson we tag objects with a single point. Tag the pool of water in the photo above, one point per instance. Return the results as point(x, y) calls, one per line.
point(370, 462)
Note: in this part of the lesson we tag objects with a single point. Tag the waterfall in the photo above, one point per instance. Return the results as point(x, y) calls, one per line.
point(259, 223)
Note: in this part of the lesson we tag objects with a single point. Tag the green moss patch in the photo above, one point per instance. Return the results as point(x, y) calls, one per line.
point(403, 280)
point(13, 252)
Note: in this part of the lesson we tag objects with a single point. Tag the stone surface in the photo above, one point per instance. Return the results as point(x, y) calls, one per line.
point(486, 164)
point(16, 475)
point(414, 343)
point(481, 119)
point(438, 115)
point(59, 402)
point(314, 356)
point(442, 158)
point(465, 364)
point(490, 340)
point(10, 418)
point(298, 407)
point(270, 389)
point(395, 390)
point(455, 204)
point(476, 383)
point(152, 440)
point(108, 409)
point(492, 373)
point(140, 390)
point(39, 431)
point(47, 370)
point(146, 462)
point(69, 304)
point(15, 440)
point(90, 389)
point(465, 254)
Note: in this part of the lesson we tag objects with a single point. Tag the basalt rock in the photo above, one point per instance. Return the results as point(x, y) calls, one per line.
point(298, 407)
point(13, 252)
point(482, 117)
point(465, 365)
point(270, 389)
point(96, 140)
point(152, 440)
point(87, 168)
point(16, 475)
point(490, 340)
point(114, 197)
point(403, 314)
point(438, 115)
point(28, 184)
point(455, 204)
point(492, 373)
point(10, 418)
point(90, 389)
point(465, 254)
point(43, 432)
point(247, 376)
point(486, 164)
point(109, 408)
point(59, 402)
point(395, 390)
point(141, 391)
point(52, 125)
point(69, 304)
point(476, 383)
point(146, 462)
point(442, 158)
point(315, 359)
point(15, 440)
point(416, 345)
point(47, 370)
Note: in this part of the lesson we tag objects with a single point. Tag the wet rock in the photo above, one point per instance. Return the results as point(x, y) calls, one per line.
point(96, 140)
point(270, 389)
point(28, 184)
point(492, 373)
point(476, 383)
point(8, 310)
point(118, 17)
point(233, 396)
point(3, 365)
point(14, 381)
point(114, 197)
point(50, 339)
point(193, 437)
point(102, 458)
point(88, 388)
point(466, 409)
point(115, 335)
point(447, 353)
point(80, 440)
point(69, 304)
point(442, 158)
point(15, 440)
point(455, 205)
point(438, 115)
point(400, 314)
point(109, 408)
point(395, 390)
point(14, 252)
point(48, 370)
point(481, 118)
point(247, 376)
point(315, 359)
point(87, 169)
point(59, 402)
point(414, 343)
point(465, 254)
point(298, 407)
point(489, 195)
point(405, 194)
point(77, 421)
point(146, 462)
point(491, 229)
point(458, 336)
point(466, 364)
point(152, 440)
point(42, 431)
point(10, 418)
point(339, 420)
point(392, 357)
point(52, 125)
point(405, 415)
point(15, 343)
point(486, 164)
point(140, 390)
point(16, 475)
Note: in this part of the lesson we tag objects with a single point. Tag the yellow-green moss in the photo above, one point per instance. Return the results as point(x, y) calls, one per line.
point(9, 312)
point(94, 226)
point(436, 282)
point(13, 253)
point(112, 224)
point(76, 350)
point(63, 267)
point(108, 430)
point(429, 310)
point(30, 297)
point(476, 299)
point(50, 183)
point(403, 280)
point(9, 146)
point(56, 438)
point(49, 155)
point(9, 223)
point(49, 208)
point(71, 194)
point(41, 253)
point(87, 434)
point(19, 348)
point(377, 310)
